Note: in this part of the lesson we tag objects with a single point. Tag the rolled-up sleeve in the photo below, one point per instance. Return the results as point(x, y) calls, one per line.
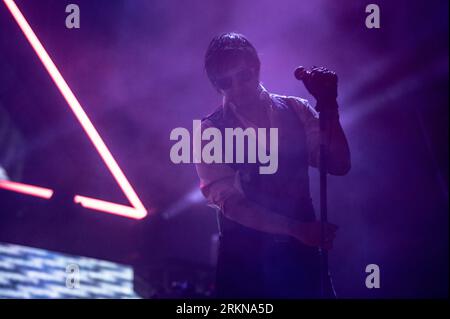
point(218, 181)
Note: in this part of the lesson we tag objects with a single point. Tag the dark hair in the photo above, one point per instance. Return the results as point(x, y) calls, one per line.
point(227, 48)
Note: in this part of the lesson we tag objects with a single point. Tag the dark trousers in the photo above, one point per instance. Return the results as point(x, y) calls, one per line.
point(267, 267)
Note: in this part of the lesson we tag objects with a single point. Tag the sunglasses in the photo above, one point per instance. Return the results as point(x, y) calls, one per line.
point(226, 82)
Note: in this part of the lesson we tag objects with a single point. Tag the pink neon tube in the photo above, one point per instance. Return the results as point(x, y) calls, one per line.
point(137, 210)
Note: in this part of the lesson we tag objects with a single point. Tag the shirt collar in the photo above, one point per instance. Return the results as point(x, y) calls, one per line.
point(264, 95)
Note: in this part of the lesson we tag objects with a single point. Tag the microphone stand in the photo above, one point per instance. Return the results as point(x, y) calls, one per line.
point(324, 118)
point(323, 169)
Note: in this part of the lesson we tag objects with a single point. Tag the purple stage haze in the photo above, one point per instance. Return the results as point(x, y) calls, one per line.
point(137, 69)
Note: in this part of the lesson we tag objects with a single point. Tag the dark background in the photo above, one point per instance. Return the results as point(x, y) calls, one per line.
point(137, 69)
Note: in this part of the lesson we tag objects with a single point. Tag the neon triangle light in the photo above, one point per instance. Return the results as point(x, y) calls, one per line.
point(136, 210)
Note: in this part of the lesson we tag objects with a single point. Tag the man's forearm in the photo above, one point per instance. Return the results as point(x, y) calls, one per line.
point(338, 159)
point(339, 162)
point(252, 215)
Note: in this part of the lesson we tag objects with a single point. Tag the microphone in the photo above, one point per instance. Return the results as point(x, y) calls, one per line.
point(301, 73)
point(323, 88)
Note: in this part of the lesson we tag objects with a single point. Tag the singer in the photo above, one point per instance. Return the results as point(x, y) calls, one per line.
point(269, 235)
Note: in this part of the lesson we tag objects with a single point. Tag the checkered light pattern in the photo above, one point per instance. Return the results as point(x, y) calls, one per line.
point(27, 272)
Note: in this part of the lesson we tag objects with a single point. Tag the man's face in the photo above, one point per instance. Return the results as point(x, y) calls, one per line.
point(238, 83)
